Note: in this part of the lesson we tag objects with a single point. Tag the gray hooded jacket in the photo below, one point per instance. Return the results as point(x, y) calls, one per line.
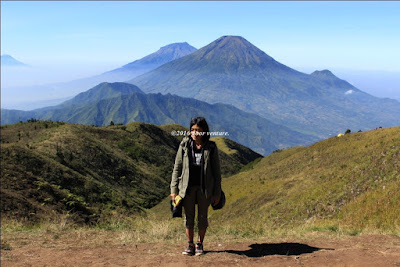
point(211, 171)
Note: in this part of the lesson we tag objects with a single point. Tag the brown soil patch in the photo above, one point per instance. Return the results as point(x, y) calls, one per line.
point(363, 250)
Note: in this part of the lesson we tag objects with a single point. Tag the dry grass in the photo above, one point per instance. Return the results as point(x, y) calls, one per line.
point(340, 186)
point(353, 180)
point(147, 230)
point(221, 144)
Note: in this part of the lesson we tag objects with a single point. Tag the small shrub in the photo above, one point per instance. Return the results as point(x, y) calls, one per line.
point(5, 245)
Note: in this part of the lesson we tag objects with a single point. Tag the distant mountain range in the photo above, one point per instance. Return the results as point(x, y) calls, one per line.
point(9, 61)
point(131, 70)
point(164, 55)
point(233, 71)
point(125, 103)
point(69, 89)
point(238, 87)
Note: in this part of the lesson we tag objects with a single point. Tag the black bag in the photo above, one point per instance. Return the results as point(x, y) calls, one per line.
point(221, 202)
point(176, 211)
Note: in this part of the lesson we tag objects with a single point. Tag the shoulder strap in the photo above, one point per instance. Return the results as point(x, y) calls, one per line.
point(185, 142)
point(212, 146)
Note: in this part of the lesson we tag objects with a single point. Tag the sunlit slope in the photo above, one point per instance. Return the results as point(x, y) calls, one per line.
point(350, 181)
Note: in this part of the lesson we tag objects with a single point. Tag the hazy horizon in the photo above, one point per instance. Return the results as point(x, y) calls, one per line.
point(383, 84)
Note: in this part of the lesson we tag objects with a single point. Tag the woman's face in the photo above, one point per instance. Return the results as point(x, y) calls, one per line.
point(197, 133)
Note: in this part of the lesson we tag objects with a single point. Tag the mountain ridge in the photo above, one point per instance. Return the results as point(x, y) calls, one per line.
point(103, 91)
point(231, 70)
point(260, 134)
point(71, 88)
point(165, 54)
point(332, 80)
point(9, 61)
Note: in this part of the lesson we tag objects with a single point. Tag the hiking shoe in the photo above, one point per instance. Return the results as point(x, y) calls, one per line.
point(189, 250)
point(199, 249)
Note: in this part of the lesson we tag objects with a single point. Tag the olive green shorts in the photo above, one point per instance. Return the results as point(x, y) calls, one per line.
point(193, 196)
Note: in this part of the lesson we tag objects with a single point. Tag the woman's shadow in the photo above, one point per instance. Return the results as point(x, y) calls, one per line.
point(267, 249)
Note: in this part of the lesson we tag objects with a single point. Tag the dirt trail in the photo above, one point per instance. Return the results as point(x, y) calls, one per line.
point(363, 250)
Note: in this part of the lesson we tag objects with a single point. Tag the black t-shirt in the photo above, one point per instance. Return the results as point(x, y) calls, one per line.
point(195, 166)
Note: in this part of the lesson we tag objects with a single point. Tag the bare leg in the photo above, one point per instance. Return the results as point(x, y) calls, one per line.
point(190, 234)
point(202, 234)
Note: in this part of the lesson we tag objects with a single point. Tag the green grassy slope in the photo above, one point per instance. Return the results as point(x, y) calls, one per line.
point(63, 168)
point(50, 168)
point(349, 183)
point(352, 181)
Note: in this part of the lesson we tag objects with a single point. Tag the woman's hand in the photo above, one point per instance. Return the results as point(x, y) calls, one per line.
point(173, 197)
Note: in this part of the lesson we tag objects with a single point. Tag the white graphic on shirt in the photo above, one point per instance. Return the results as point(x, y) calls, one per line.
point(197, 159)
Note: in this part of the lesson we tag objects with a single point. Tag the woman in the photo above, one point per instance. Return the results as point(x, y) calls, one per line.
point(197, 179)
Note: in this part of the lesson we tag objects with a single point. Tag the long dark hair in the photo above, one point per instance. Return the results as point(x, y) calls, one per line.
point(201, 122)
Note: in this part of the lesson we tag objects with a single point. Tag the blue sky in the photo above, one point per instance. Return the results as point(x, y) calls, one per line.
point(302, 35)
